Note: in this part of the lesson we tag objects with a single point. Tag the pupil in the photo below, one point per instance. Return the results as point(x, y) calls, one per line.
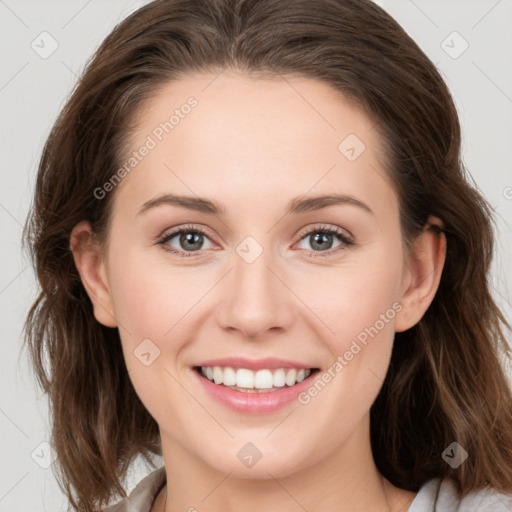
point(191, 241)
point(322, 238)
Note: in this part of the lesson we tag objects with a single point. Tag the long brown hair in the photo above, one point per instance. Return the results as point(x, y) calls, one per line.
point(445, 382)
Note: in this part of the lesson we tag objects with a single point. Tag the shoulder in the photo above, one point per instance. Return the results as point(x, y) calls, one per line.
point(487, 499)
point(143, 495)
point(441, 495)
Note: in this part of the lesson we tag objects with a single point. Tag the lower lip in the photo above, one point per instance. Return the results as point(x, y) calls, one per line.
point(256, 403)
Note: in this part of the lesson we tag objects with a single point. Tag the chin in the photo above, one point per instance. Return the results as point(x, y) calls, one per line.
point(249, 463)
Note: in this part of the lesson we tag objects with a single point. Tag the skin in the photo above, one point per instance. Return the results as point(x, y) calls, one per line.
point(253, 145)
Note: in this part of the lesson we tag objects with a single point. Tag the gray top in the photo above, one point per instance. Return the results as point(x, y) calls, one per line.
point(434, 496)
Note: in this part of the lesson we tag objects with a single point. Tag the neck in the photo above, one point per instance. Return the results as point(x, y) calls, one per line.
point(345, 480)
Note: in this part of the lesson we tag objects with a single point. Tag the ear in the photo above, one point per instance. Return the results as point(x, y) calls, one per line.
point(91, 266)
point(423, 274)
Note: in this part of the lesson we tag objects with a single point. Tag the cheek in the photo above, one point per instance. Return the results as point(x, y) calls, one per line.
point(360, 307)
point(151, 302)
point(352, 299)
point(366, 300)
point(151, 297)
point(359, 303)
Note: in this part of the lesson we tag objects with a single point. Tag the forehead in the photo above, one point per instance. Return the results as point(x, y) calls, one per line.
point(231, 134)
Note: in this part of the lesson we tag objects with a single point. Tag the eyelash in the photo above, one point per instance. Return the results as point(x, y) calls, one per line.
point(346, 241)
point(169, 236)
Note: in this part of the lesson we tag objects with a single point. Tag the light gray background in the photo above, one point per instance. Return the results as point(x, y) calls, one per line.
point(33, 90)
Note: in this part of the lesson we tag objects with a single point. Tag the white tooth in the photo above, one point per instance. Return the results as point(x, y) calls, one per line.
point(263, 379)
point(218, 374)
point(279, 378)
point(290, 377)
point(245, 378)
point(229, 377)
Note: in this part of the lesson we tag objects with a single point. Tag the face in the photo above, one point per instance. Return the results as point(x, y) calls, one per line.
point(283, 253)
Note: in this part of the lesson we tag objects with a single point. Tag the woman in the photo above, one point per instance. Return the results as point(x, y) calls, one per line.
point(260, 258)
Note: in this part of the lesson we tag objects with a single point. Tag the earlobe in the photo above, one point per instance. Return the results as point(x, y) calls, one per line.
point(90, 264)
point(424, 271)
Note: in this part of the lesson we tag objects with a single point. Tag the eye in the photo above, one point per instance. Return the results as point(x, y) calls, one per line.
point(323, 240)
point(185, 240)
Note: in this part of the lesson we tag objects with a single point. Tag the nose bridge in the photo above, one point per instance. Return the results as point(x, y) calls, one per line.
point(252, 278)
point(255, 300)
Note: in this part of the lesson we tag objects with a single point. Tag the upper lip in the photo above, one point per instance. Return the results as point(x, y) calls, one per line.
point(254, 364)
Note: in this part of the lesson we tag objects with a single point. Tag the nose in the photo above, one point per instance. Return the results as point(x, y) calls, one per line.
point(255, 299)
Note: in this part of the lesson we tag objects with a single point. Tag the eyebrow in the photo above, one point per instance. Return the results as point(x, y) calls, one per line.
point(296, 205)
point(198, 204)
point(301, 204)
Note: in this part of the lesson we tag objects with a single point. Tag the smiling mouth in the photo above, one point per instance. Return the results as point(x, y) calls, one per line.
point(249, 381)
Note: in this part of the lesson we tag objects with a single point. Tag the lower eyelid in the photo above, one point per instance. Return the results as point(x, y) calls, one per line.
point(342, 246)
